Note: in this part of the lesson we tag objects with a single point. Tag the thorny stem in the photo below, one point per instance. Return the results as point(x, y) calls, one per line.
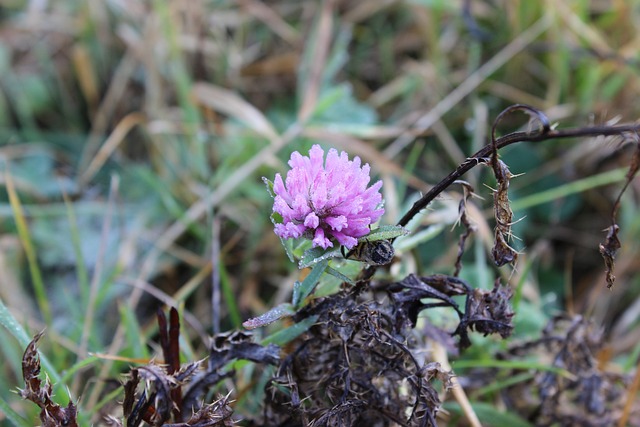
point(512, 138)
point(484, 155)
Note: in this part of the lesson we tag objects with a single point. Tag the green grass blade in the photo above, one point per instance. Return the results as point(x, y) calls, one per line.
point(489, 415)
point(287, 335)
point(229, 297)
point(499, 385)
point(309, 283)
point(69, 373)
point(11, 324)
point(134, 335)
point(81, 269)
point(579, 186)
point(509, 364)
point(12, 415)
point(27, 243)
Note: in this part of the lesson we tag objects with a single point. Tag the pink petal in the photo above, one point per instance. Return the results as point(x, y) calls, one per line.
point(336, 222)
point(312, 220)
point(346, 241)
point(320, 240)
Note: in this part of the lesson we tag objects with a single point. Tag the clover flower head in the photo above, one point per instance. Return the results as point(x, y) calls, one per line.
point(323, 200)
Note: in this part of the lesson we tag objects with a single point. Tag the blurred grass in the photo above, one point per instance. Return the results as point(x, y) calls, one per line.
point(189, 103)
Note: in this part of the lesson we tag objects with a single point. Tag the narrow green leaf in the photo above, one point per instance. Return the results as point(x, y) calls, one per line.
point(309, 283)
point(12, 415)
point(69, 373)
point(316, 255)
point(289, 334)
point(229, 297)
point(269, 185)
point(579, 186)
point(507, 382)
point(27, 243)
point(490, 415)
point(134, 335)
point(336, 273)
point(276, 313)
point(81, 269)
point(11, 324)
point(509, 364)
point(108, 399)
point(384, 232)
point(295, 297)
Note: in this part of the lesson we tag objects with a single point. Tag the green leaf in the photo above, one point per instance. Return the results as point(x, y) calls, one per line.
point(489, 415)
point(384, 232)
point(338, 106)
point(134, 335)
point(269, 185)
point(12, 415)
point(8, 321)
point(69, 373)
point(309, 283)
point(336, 273)
point(509, 364)
point(276, 313)
point(316, 255)
point(289, 334)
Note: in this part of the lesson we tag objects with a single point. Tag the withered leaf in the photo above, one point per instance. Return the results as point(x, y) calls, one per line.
point(608, 250)
point(130, 392)
point(163, 383)
point(225, 348)
point(487, 312)
point(501, 252)
point(469, 228)
point(51, 414)
point(409, 293)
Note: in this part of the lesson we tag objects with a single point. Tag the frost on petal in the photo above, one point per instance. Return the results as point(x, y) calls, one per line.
point(312, 220)
point(319, 192)
point(328, 200)
point(289, 230)
point(336, 222)
point(346, 241)
point(376, 214)
point(373, 190)
point(280, 206)
point(358, 227)
point(320, 240)
point(333, 161)
point(316, 156)
point(279, 188)
point(301, 206)
point(296, 160)
point(355, 165)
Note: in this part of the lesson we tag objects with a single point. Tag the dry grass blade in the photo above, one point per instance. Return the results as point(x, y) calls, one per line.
point(366, 151)
point(228, 102)
point(467, 86)
point(270, 17)
point(632, 393)
point(111, 144)
point(440, 356)
point(321, 46)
